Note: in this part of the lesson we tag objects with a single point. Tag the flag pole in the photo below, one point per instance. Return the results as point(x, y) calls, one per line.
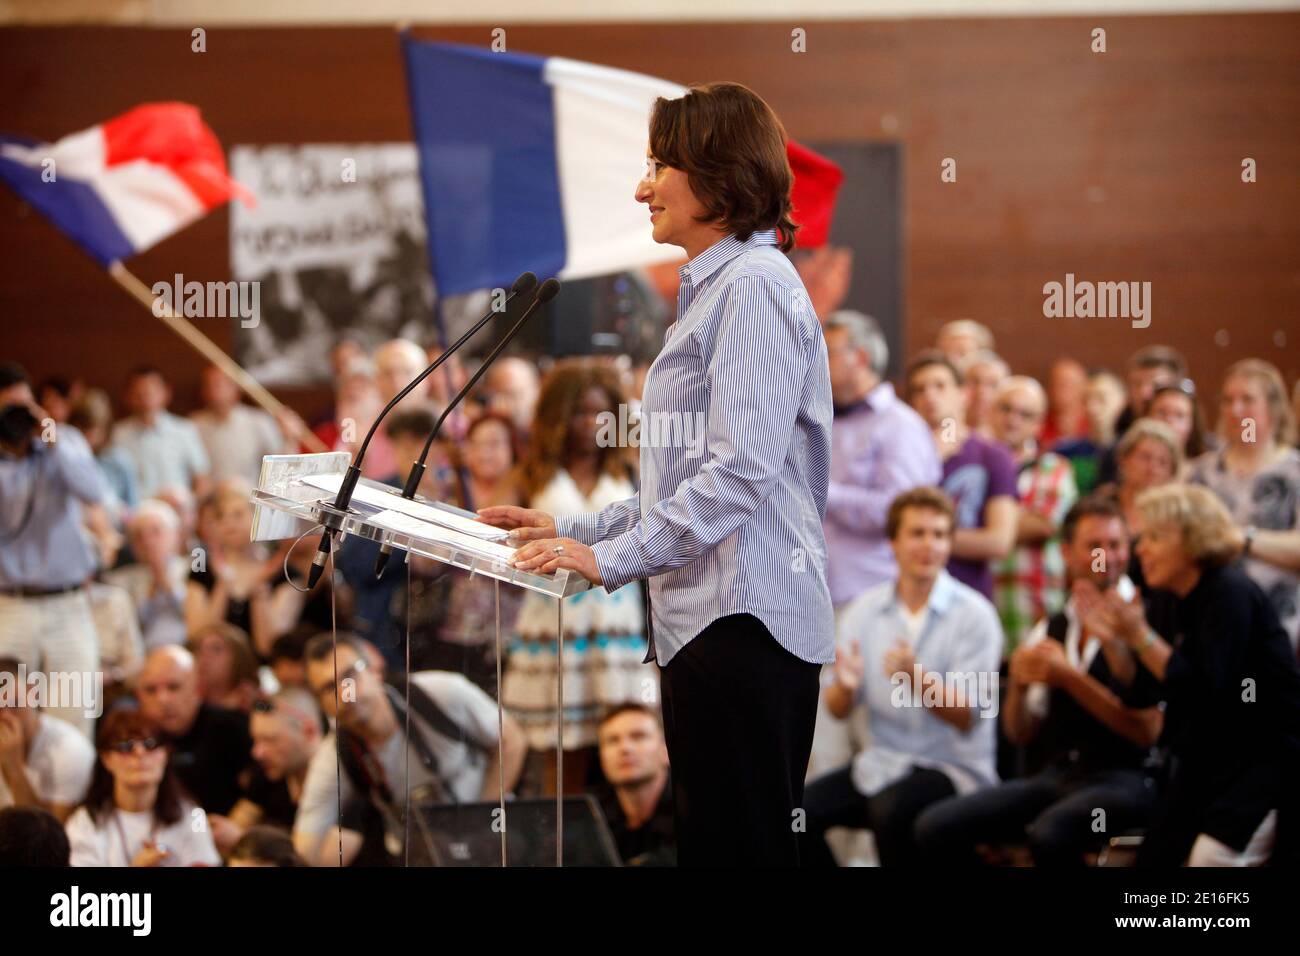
point(209, 350)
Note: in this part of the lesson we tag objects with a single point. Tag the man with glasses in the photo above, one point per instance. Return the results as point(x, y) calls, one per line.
point(451, 755)
point(1029, 584)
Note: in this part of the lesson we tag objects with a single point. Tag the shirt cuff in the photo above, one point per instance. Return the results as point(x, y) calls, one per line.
point(619, 561)
point(571, 527)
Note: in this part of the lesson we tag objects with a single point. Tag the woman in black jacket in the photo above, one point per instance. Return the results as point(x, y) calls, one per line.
point(1228, 676)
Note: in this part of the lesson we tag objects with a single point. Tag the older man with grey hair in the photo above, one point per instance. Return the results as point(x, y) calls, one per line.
point(156, 582)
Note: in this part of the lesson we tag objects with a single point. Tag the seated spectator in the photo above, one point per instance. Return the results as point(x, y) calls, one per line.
point(45, 763)
point(137, 813)
point(163, 449)
point(1229, 679)
point(983, 373)
point(234, 435)
point(234, 581)
point(1030, 581)
point(286, 731)
point(511, 388)
point(1176, 406)
point(452, 754)
point(1103, 401)
point(924, 640)
point(1067, 389)
point(156, 581)
point(489, 454)
point(1068, 697)
point(1149, 369)
point(978, 473)
point(93, 415)
point(961, 338)
point(286, 662)
point(121, 648)
point(638, 804)
point(1149, 455)
point(1256, 475)
point(32, 837)
point(225, 665)
point(265, 846)
point(209, 745)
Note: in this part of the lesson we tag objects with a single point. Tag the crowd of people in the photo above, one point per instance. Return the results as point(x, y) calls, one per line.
point(1067, 613)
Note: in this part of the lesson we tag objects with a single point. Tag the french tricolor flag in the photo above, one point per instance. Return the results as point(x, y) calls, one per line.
point(124, 185)
point(530, 163)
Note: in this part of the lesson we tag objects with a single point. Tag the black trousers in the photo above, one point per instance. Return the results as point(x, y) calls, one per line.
point(739, 711)
point(833, 801)
point(1054, 812)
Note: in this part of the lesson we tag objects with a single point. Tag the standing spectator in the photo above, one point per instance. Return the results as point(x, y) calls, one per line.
point(236, 436)
point(962, 338)
point(1228, 677)
point(156, 582)
point(1257, 477)
point(93, 417)
point(210, 745)
point(44, 762)
point(569, 471)
point(511, 388)
point(164, 449)
point(1149, 369)
point(1148, 455)
point(47, 477)
point(1177, 407)
point(1103, 401)
point(880, 448)
point(983, 372)
point(978, 474)
point(1069, 697)
point(924, 627)
point(639, 803)
point(1067, 388)
point(1031, 580)
point(137, 813)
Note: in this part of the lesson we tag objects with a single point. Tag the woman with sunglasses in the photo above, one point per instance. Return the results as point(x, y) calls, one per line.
point(137, 813)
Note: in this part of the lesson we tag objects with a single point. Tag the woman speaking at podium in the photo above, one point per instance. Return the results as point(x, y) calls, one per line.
point(727, 532)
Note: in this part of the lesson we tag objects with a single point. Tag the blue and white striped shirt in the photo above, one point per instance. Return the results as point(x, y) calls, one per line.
point(735, 460)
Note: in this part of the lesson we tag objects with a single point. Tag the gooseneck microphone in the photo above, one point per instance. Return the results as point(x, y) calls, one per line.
point(548, 291)
point(332, 522)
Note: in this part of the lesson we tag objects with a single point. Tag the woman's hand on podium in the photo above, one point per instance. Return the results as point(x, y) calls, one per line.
point(549, 555)
point(524, 524)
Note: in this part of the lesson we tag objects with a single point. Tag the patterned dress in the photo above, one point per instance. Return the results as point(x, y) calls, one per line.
point(1269, 500)
point(604, 641)
point(1030, 581)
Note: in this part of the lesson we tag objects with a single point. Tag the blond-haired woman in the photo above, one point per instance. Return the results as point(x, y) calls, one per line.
point(1256, 474)
point(1214, 651)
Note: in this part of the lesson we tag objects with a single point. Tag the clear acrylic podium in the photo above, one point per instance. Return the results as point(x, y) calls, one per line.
point(295, 496)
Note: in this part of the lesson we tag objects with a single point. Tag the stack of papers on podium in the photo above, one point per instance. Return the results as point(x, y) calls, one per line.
point(392, 502)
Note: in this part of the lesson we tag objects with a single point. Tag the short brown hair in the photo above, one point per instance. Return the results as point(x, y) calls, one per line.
point(927, 497)
point(925, 359)
point(732, 148)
